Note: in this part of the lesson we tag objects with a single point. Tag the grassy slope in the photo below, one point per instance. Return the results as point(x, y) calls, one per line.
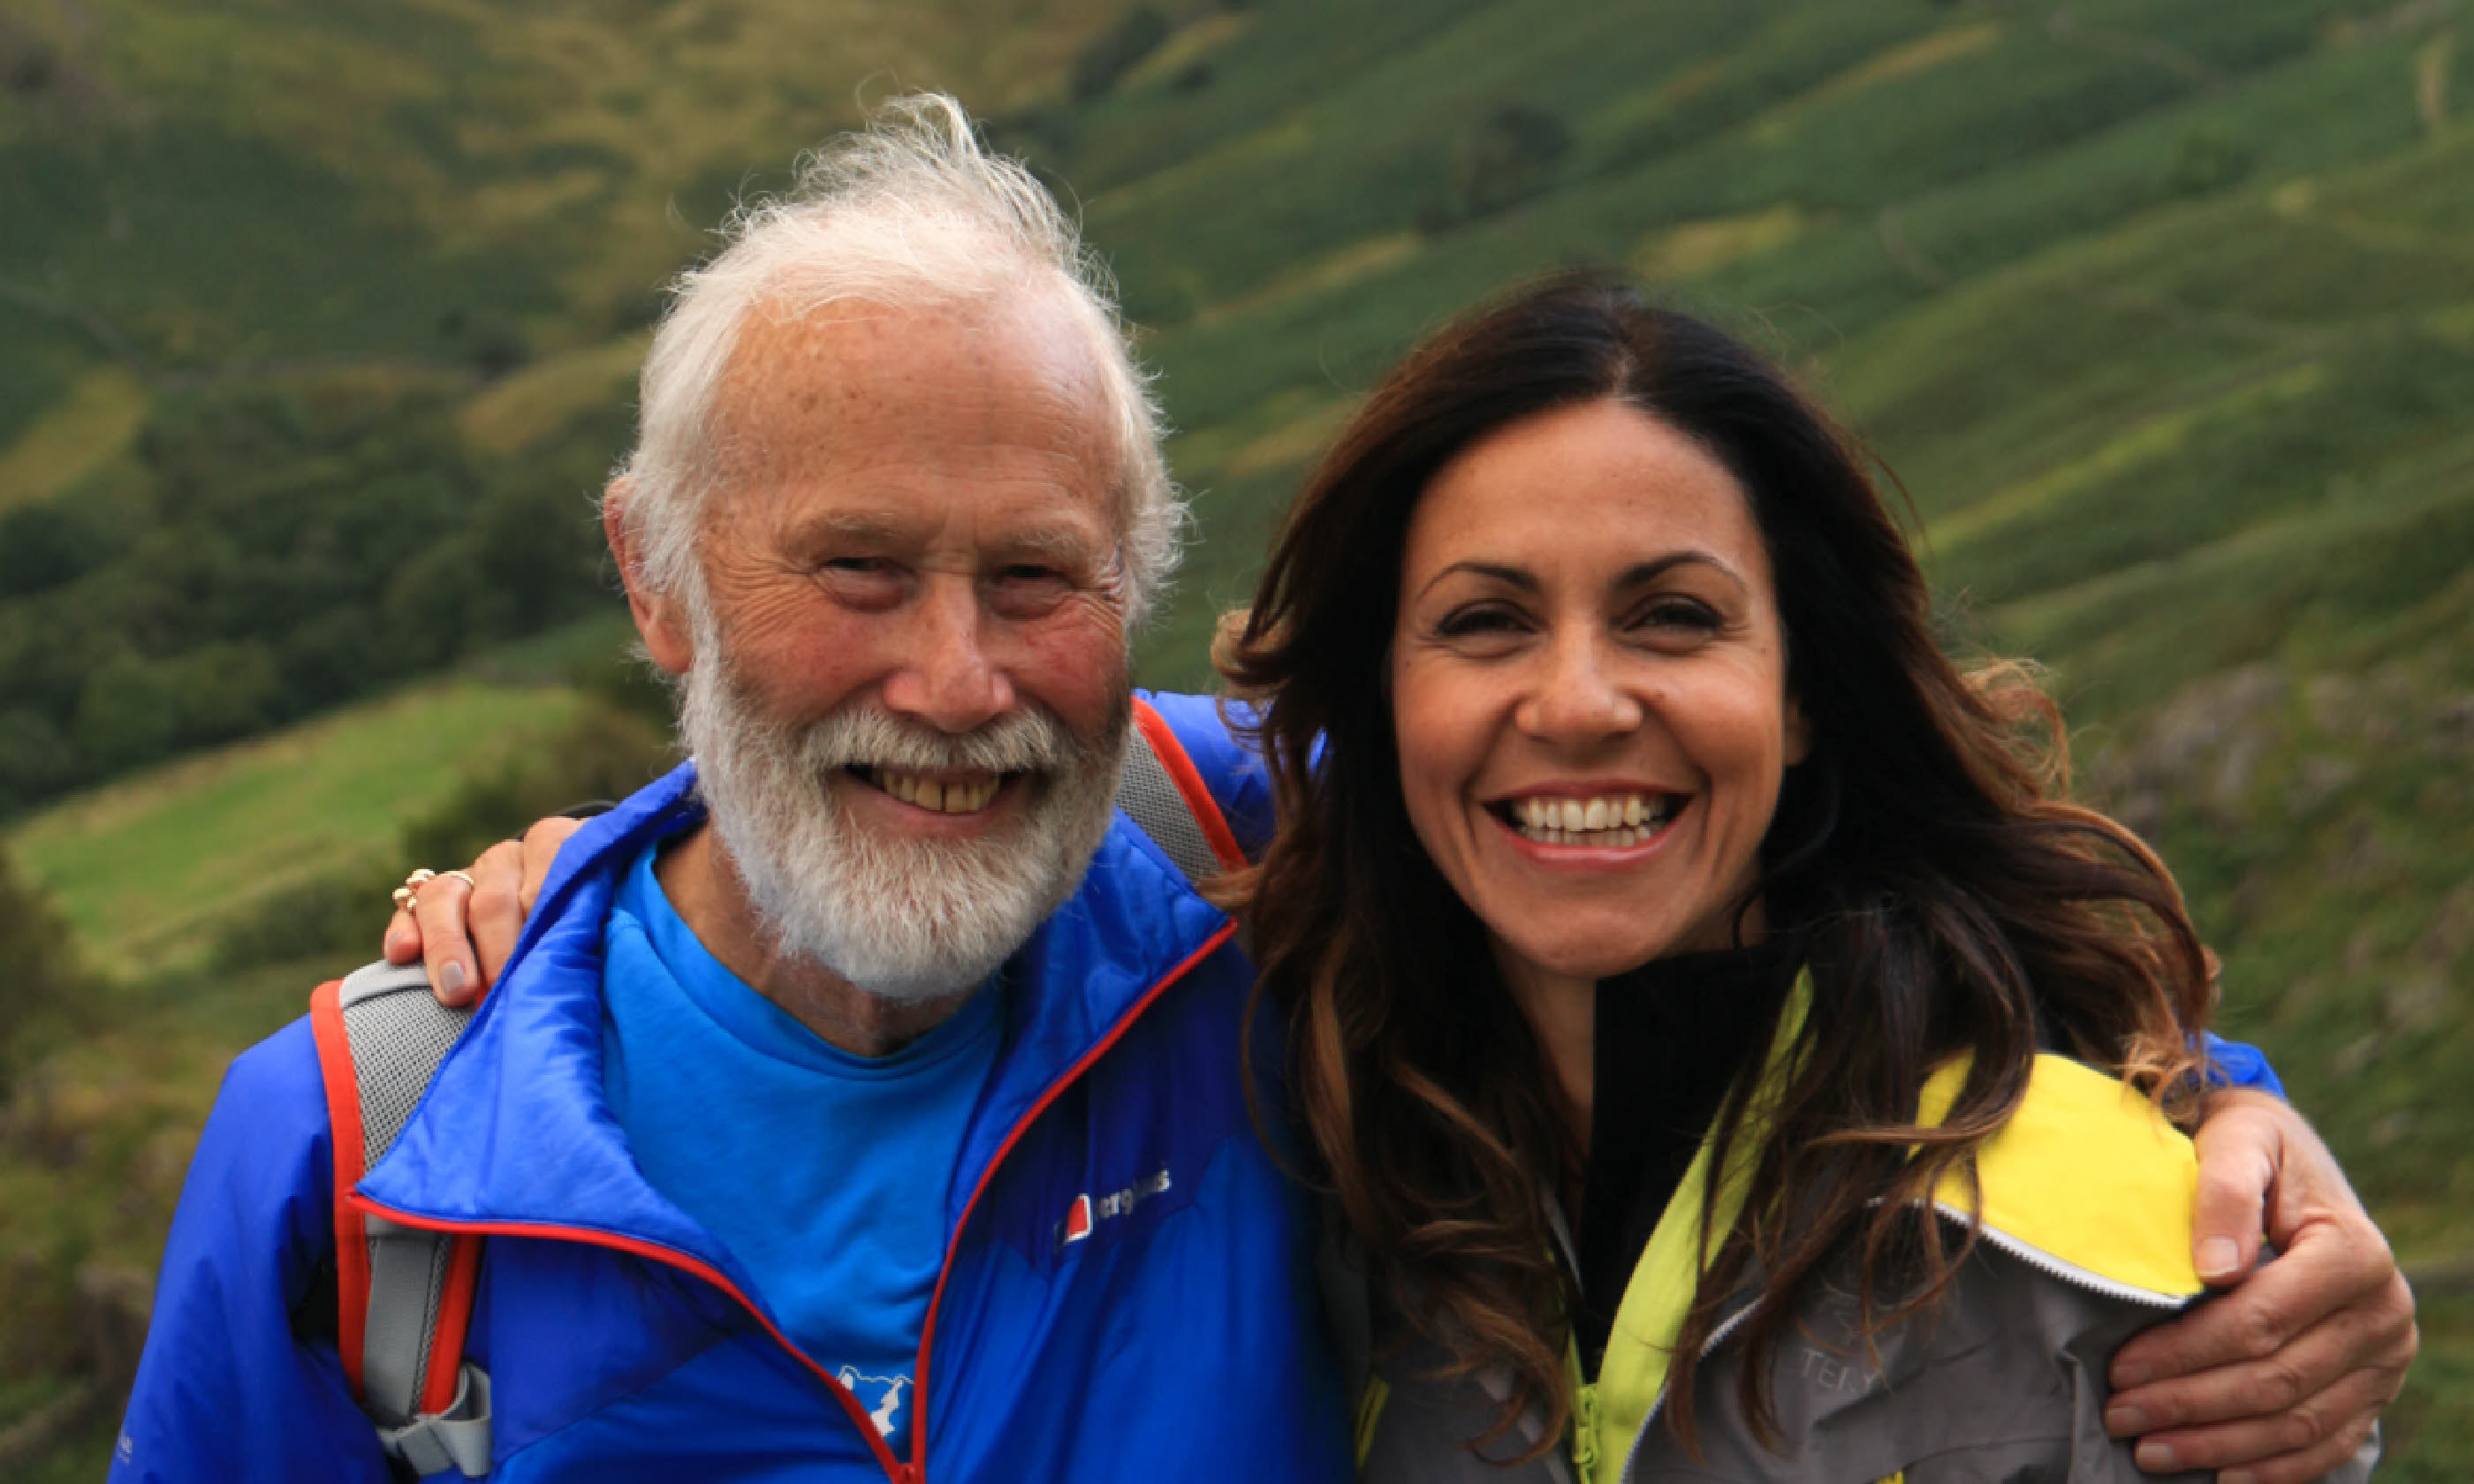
point(147, 868)
point(2163, 311)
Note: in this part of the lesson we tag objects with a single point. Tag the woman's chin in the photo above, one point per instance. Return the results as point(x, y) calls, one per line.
point(1567, 960)
point(1574, 947)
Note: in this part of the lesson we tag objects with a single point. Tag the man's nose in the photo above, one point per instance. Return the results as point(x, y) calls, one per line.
point(1579, 697)
point(947, 678)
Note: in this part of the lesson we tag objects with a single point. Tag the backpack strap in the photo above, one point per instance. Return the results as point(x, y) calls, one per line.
point(1161, 791)
point(404, 1295)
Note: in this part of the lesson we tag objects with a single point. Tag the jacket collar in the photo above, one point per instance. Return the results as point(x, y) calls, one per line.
point(515, 1131)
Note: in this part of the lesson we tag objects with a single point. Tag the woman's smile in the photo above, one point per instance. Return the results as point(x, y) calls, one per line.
point(1590, 825)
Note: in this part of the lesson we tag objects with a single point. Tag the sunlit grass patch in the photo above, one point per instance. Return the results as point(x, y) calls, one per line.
point(1691, 249)
point(146, 869)
point(519, 410)
point(93, 421)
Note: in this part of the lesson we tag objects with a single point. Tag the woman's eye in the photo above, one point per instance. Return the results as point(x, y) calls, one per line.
point(1479, 621)
point(1688, 615)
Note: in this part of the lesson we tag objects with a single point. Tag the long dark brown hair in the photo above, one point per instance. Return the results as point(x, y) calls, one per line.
point(1946, 896)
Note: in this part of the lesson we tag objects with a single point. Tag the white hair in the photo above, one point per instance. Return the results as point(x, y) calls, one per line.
point(912, 211)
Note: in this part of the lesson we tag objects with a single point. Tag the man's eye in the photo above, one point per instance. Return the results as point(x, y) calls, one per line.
point(857, 565)
point(1027, 589)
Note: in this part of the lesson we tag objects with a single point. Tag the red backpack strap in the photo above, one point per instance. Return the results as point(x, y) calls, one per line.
point(344, 1121)
point(403, 1295)
point(1161, 791)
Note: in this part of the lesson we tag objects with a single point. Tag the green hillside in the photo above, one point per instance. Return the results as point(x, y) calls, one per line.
point(321, 320)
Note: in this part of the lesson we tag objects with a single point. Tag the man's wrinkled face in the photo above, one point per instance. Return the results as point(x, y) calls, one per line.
point(908, 692)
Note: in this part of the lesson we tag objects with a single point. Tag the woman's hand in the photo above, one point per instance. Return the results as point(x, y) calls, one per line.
point(465, 933)
point(2281, 1378)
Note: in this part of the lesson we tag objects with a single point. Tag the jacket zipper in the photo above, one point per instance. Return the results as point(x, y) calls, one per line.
point(916, 1471)
point(2077, 1276)
point(1718, 1337)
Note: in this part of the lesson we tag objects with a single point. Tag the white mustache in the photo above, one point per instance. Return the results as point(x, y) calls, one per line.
point(1029, 741)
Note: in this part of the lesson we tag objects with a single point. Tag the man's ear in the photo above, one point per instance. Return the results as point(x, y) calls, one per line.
point(1799, 731)
point(661, 619)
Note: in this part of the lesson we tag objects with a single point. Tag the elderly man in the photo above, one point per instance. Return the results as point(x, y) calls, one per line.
point(866, 1101)
point(864, 1098)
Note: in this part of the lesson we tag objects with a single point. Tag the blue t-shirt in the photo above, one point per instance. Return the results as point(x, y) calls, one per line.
point(824, 1173)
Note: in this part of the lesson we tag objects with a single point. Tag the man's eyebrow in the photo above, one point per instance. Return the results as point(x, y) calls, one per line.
point(850, 526)
point(1062, 539)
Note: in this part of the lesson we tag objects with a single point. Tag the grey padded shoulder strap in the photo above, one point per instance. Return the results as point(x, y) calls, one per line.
point(398, 1034)
point(1150, 798)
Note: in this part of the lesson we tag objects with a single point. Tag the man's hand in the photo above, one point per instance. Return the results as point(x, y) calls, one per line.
point(465, 934)
point(2280, 1380)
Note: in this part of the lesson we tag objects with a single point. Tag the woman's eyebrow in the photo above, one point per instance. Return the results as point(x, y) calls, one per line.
point(1643, 572)
point(1510, 576)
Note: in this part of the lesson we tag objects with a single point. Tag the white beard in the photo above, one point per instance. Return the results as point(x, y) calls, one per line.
point(906, 918)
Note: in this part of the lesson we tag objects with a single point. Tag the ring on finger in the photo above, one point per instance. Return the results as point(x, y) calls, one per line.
point(408, 896)
point(464, 876)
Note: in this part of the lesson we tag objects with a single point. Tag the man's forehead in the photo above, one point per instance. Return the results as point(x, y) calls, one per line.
point(852, 375)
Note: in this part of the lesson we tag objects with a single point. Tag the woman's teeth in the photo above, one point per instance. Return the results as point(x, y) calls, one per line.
point(1613, 820)
point(959, 796)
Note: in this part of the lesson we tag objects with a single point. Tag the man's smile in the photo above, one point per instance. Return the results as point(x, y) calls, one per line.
point(944, 791)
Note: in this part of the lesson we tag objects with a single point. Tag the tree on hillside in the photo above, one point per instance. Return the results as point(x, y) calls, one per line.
point(42, 983)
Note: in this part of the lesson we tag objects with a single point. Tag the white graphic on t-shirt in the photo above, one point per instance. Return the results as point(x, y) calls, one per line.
point(880, 1395)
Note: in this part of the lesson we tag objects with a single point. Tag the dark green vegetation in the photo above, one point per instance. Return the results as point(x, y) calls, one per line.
point(2162, 311)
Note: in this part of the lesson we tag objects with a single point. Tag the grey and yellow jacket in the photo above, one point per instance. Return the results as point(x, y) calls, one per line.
point(2085, 1200)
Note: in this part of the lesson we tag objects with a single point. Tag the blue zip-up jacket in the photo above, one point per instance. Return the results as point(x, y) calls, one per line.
point(1181, 1339)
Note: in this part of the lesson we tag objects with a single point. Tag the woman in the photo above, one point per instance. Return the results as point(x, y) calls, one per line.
point(1669, 938)
point(1666, 927)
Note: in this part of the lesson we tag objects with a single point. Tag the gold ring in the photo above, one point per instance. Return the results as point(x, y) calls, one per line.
point(464, 876)
point(406, 897)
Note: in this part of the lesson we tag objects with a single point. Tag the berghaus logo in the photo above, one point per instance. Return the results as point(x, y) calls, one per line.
point(1083, 1216)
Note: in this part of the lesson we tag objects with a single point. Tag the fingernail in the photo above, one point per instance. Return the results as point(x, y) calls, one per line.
point(2219, 1257)
point(450, 977)
point(2126, 1421)
point(2130, 1375)
point(2157, 1458)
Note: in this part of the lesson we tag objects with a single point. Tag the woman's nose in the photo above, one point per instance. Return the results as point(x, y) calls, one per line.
point(1578, 698)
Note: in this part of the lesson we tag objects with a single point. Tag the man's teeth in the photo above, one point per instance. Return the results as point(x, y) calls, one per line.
point(957, 797)
point(1612, 820)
